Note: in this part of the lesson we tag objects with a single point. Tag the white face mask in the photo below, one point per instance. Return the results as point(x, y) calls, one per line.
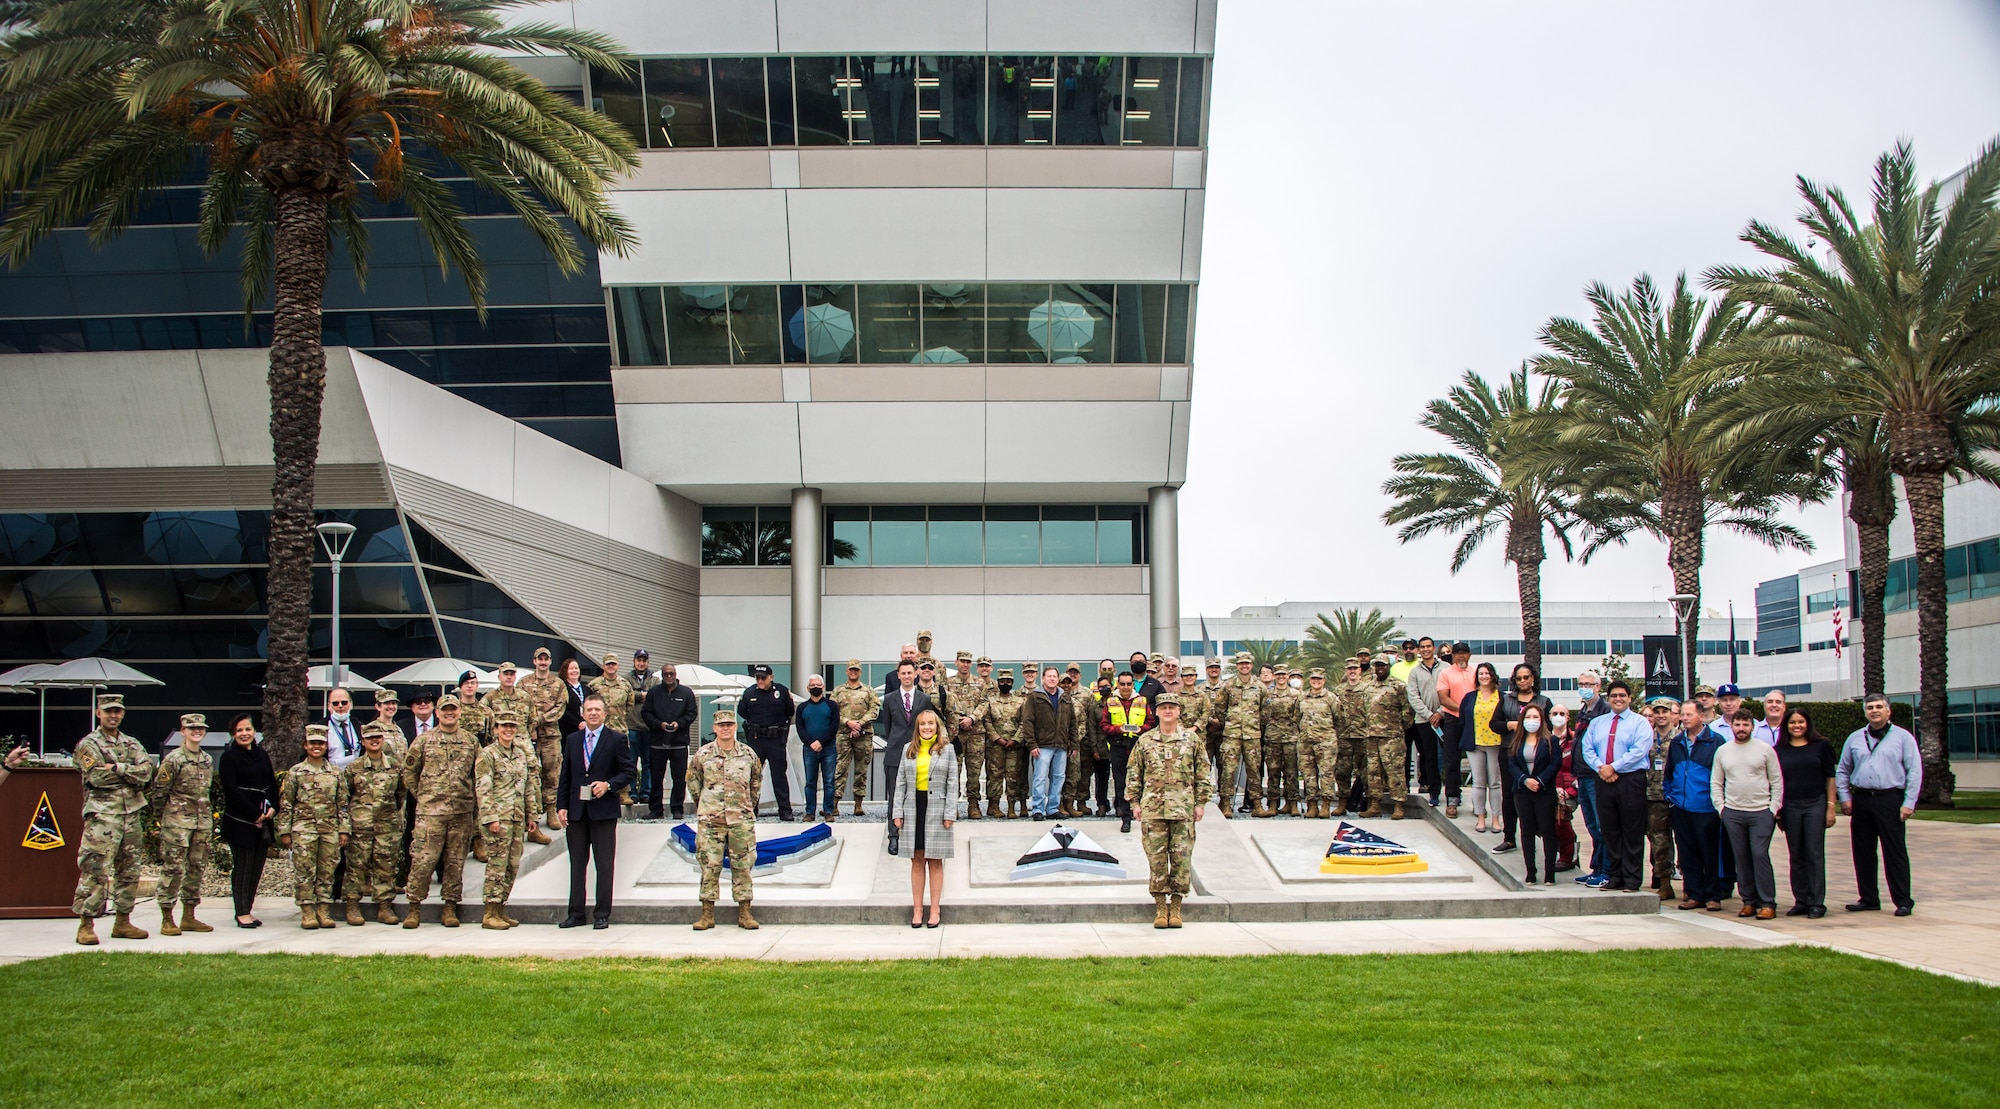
point(340, 716)
point(1558, 722)
point(1531, 725)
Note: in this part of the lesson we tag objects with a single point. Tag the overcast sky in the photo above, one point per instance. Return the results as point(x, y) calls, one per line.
point(1400, 192)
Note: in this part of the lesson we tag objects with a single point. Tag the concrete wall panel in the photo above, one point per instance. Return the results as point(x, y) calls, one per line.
point(699, 236)
point(881, 26)
point(927, 440)
point(683, 26)
point(885, 234)
point(692, 444)
point(1102, 26)
point(1087, 234)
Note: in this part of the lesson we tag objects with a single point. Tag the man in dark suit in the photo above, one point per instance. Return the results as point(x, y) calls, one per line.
point(597, 763)
point(900, 709)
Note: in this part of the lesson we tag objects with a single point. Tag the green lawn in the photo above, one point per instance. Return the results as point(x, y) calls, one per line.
point(1786, 1026)
point(1974, 806)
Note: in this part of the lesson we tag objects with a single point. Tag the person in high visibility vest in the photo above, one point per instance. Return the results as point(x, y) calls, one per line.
point(1126, 716)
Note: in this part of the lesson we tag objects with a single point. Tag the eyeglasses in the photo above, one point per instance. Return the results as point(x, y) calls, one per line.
point(341, 704)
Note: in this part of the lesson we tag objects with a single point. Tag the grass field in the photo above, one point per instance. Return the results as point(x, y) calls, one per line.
point(1974, 806)
point(1784, 1026)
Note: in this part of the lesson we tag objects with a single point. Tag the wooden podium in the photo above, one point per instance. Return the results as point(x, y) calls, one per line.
point(39, 882)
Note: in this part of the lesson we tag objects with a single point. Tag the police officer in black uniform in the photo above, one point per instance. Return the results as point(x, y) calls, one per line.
point(765, 713)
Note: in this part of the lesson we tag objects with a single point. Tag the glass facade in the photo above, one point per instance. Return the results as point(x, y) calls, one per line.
point(934, 535)
point(1971, 571)
point(1778, 616)
point(746, 536)
point(935, 322)
point(908, 100)
point(181, 596)
point(1973, 722)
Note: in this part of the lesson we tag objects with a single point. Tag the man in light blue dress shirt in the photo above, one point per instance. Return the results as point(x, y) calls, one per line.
point(1616, 748)
point(1877, 780)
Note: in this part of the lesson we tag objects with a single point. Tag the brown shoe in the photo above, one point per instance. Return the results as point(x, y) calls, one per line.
point(1397, 813)
point(449, 917)
point(1162, 915)
point(1338, 809)
point(1262, 810)
point(827, 817)
point(167, 926)
point(1667, 891)
point(122, 928)
point(1451, 810)
point(354, 917)
point(972, 810)
point(326, 916)
point(536, 835)
point(410, 918)
point(857, 808)
point(1690, 903)
point(1746, 911)
point(1289, 808)
point(189, 923)
point(86, 932)
point(386, 912)
point(1174, 911)
point(743, 918)
point(707, 920)
point(308, 917)
point(511, 922)
point(1767, 913)
point(1374, 809)
point(492, 919)
point(625, 798)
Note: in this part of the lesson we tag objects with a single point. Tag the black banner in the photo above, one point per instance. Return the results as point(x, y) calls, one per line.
point(1663, 666)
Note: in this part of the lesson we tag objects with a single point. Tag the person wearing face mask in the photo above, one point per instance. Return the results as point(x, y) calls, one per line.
point(1533, 758)
point(1565, 739)
point(1592, 707)
point(818, 722)
point(1000, 714)
point(1143, 682)
point(669, 716)
point(343, 735)
point(1748, 788)
point(1126, 716)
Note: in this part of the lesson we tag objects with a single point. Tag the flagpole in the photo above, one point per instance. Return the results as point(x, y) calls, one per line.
point(1732, 643)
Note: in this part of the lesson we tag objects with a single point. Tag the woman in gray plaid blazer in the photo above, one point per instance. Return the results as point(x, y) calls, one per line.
point(930, 810)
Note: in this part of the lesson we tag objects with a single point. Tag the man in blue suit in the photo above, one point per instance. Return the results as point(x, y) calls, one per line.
point(597, 763)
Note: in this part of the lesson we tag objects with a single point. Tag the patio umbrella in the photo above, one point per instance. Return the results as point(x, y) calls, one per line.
point(939, 354)
point(192, 537)
point(93, 673)
point(1061, 325)
point(711, 297)
point(823, 331)
point(321, 678)
point(432, 671)
point(27, 679)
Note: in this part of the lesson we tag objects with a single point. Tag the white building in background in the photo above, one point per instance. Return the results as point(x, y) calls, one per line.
point(1804, 642)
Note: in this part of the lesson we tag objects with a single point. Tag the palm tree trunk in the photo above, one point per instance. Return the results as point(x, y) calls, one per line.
point(1871, 506)
point(1925, 490)
point(298, 384)
point(1526, 551)
point(1683, 517)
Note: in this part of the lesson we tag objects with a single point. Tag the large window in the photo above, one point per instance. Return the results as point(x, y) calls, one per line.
point(932, 322)
point(1778, 616)
point(907, 100)
point(934, 535)
point(1971, 571)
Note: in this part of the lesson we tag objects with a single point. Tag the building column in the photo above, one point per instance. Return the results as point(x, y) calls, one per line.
point(807, 517)
point(1163, 552)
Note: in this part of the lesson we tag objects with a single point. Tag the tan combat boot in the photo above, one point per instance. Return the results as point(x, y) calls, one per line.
point(857, 806)
point(411, 918)
point(1174, 911)
point(86, 932)
point(325, 916)
point(122, 928)
point(1397, 813)
point(493, 919)
point(625, 798)
point(1336, 808)
point(1261, 810)
point(743, 917)
point(536, 835)
point(707, 920)
point(167, 926)
point(449, 918)
point(511, 922)
point(308, 917)
point(1374, 808)
point(189, 923)
point(1162, 915)
point(1287, 808)
point(354, 916)
point(386, 912)
point(972, 810)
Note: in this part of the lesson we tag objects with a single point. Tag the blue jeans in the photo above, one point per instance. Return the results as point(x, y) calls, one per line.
point(642, 783)
point(1586, 802)
point(819, 771)
point(1045, 781)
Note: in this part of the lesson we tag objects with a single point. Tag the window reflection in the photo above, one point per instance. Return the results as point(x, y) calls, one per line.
point(620, 98)
point(1150, 87)
point(847, 537)
point(1180, 316)
point(825, 326)
point(678, 103)
point(1008, 338)
point(1187, 131)
point(949, 100)
point(1141, 315)
point(1013, 535)
point(1021, 93)
point(642, 330)
point(778, 79)
point(1074, 325)
point(698, 325)
point(955, 535)
point(954, 322)
point(1069, 535)
point(889, 323)
point(898, 535)
point(821, 87)
point(728, 536)
point(884, 104)
point(1087, 97)
point(753, 325)
point(740, 117)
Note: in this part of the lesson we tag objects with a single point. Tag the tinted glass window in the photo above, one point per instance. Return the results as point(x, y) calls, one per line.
point(847, 536)
point(883, 108)
point(1140, 320)
point(889, 323)
point(1187, 131)
point(1150, 85)
point(1069, 535)
point(778, 79)
point(698, 325)
point(955, 538)
point(740, 115)
point(1075, 325)
point(1087, 100)
point(728, 536)
point(950, 100)
point(1118, 535)
point(898, 533)
point(774, 536)
point(1008, 334)
point(1013, 535)
point(678, 104)
point(827, 324)
point(820, 85)
point(642, 330)
point(954, 317)
point(619, 98)
point(1180, 321)
point(1021, 99)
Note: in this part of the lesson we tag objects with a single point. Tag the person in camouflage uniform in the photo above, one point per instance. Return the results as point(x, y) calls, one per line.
point(924, 653)
point(473, 720)
point(859, 706)
point(1168, 784)
point(394, 743)
point(618, 698)
point(1661, 712)
point(438, 770)
point(511, 698)
point(186, 815)
point(546, 697)
point(969, 691)
point(1281, 746)
point(1319, 744)
point(507, 783)
point(1000, 715)
point(116, 772)
point(309, 806)
point(1350, 720)
point(1388, 716)
point(373, 823)
point(1241, 702)
point(726, 778)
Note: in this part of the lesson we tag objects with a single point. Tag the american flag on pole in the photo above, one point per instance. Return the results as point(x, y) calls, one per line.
point(1839, 632)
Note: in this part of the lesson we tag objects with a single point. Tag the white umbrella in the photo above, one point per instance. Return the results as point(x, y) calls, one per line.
point(710, 297)
point(1061, 325)
point(823, 331)
point(93, 673)
point(941, 354)
point(24, 679)
point(434, 671)
point(321, 677)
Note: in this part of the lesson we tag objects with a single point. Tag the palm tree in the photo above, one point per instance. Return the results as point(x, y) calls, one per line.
point(287, 108)
point(1330, 643)
point(1269, 652)
point(1488, 481)
point(1627, 440)
point(1902, 326)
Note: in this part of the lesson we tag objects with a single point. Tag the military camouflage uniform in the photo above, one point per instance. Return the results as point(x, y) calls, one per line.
point(1241, 703)
point(394, 743)
point(1659, 823)
point(1083, 749)
point(546, 695)
point(1166, 782)
point(1006, 759)
point(858, 702)
point(513, 700)
point(1387, 717)
point(507, 782)
point(187, 820)
point(116, 772)
point(1281, 746)
point(967, 691)
point(1319, 744)
point(438, 770)
point(726, 785)
point(1350, 722)
point(373, 821)
point(476, 722)
point(309, 807)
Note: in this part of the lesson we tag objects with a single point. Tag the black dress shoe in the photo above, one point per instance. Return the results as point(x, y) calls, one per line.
point(571, 921)
point(1039, 816)
point(601, 923)
point(1816, 912)
point(1505, 846)
point(1796, 910)
point(1863, 907)
point(254, 923)
point(1124, 824)
point(1904, 910)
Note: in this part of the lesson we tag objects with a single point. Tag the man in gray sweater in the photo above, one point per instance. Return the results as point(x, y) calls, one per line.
point(1747, 786)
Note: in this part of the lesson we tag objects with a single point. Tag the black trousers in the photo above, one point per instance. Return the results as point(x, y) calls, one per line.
point(1121, 758)
point(1805, 839)
point(246, 869)
point(1509, 814)
point(1622, 813)
point(592, 841)
point(1878, 819)
point(659, 761)
point(1698, 846)
point(1537, 809)
point(1425, 744)
point(1451, 760)
point(772, 751)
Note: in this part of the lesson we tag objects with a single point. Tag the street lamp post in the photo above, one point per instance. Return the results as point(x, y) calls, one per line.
point(335, 535)
point(1683, 606)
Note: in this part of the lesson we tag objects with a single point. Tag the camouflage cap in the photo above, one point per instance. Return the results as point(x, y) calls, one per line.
point(1006, 672)
point(1704, 688)
point(512, 720)
point(376, 729)
point(1073, 668)
point(1243, 657)
point(1156, 657)
point(448, 701)
point(1173, 699)
point(983, 660)
point(854, 664)
point(385, 696)
point(965, 656)
point(609, 660)
point(111, 701)
point(194, 720)
point(927, 664)
point(925, 633)
point(724, 716)
point(1318, 672)
point(315, 733)
point(1352, 661)
point(543, 652)
point(508, 667)
point(1214, 661)
point(1389, 649)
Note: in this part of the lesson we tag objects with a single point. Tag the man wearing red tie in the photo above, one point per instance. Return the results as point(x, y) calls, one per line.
point(596, 765)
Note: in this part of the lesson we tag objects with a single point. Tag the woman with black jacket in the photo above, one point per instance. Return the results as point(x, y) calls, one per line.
point(574, 691)
point(249, 801)
point(1526, 693)
point(1533, 759)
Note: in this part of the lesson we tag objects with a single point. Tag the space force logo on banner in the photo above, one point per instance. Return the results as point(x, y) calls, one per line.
point(1663, 665)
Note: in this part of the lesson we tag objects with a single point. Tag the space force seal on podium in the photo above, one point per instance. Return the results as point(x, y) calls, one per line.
point(1356, 850)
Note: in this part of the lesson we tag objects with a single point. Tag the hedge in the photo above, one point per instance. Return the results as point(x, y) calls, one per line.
point(1836, 720)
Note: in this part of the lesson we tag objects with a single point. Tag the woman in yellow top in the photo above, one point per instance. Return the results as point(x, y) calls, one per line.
point(927, 788)
point(1481, 744)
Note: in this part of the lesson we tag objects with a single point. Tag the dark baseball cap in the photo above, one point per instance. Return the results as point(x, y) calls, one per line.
point(760, 671)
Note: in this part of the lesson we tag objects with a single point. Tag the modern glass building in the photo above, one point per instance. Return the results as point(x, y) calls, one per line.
point(916, 296)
